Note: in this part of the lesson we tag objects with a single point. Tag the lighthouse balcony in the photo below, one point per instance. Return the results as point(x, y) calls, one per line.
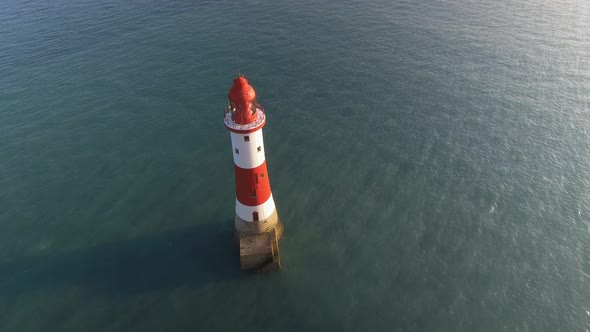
point(248, 127)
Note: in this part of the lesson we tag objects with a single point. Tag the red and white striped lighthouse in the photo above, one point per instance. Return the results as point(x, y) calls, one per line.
point(257, 223)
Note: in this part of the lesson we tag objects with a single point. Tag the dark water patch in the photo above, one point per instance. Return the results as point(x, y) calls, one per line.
point(192, 257)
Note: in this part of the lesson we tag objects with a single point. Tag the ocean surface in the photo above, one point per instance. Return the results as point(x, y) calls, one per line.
point(430, 161)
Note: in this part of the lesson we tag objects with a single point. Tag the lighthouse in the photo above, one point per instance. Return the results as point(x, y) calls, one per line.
point(257, 224)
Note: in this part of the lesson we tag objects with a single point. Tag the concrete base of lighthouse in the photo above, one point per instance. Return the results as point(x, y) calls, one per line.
point(259, 243)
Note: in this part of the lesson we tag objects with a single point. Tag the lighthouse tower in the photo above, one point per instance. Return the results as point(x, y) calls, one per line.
point(257, 224)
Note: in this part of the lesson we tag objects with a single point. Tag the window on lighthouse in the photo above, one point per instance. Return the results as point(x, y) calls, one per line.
point(237, 151)
point(246, 138)
point(255, 216)
point(259, 148)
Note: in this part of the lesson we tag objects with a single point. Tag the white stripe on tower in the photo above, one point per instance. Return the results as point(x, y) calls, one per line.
point(248, 149)
point(264, 211)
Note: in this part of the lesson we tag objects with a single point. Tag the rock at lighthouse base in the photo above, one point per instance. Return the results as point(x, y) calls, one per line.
point(260, 251)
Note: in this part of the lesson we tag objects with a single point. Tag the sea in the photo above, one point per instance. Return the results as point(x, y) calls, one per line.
point(430, 161)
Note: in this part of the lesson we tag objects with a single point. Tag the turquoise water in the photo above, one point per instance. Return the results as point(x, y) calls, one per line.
point(430, 161)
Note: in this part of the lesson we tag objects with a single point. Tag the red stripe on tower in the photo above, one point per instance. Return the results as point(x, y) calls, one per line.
point(252, 185)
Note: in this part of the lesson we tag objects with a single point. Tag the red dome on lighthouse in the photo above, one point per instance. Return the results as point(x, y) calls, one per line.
point(241, 90)
point(242, 100)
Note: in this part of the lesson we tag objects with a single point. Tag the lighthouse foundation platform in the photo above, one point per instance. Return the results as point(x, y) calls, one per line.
point(259, 243)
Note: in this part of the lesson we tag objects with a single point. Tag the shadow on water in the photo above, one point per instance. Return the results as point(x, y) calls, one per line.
point(192, 257)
